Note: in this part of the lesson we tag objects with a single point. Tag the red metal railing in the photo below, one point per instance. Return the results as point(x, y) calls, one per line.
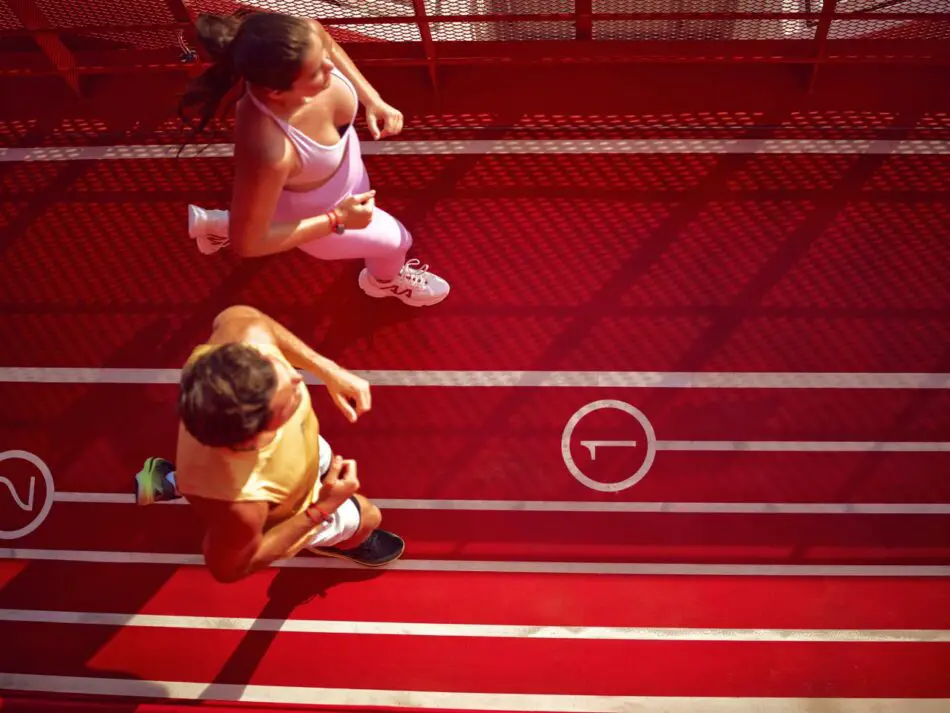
point(44, 37)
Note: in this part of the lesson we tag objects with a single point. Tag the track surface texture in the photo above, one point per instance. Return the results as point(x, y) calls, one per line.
point(679, 439)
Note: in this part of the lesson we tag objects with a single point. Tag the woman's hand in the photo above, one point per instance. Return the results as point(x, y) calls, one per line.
point(379, 112)
point(356, 211)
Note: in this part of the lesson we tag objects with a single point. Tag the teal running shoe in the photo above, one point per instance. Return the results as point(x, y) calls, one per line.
point(155, 483)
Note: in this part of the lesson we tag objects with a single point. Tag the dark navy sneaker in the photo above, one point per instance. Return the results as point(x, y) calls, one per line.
point(155, 483)
point(379, 548)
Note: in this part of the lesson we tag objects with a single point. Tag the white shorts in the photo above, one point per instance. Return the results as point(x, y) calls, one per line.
point(345, 521)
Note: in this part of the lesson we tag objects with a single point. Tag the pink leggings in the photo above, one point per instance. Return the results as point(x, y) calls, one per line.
point(382, 244)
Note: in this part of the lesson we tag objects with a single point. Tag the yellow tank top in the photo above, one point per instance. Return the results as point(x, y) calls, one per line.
point(283, 473)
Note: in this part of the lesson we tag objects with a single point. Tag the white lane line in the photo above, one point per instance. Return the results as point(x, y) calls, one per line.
point(807, 446)
point(591, 506)
point(527, 702)
point(419, 565)
point(564, 379)
point(511, 147)
point(394, 628)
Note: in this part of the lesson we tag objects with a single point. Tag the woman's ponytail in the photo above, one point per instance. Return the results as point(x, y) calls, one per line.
point(204, 94)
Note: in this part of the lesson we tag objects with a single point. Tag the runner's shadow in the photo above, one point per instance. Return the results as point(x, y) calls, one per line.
point(79, 650)
point(289, 589)
point(350, 316)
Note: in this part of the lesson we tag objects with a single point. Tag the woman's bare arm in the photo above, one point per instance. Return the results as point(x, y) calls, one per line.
point(261, 170)
point(381, 118)
point(364, 90)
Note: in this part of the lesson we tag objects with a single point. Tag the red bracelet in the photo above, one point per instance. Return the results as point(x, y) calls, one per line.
point(324, 516)
point(334, 220)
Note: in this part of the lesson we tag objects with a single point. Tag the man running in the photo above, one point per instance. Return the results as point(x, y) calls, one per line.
point(250, 458)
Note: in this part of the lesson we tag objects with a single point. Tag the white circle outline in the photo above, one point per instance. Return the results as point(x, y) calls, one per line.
point(44, 470)
point(597, 406)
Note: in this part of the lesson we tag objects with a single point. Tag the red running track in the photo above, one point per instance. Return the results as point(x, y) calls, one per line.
point(633, 263)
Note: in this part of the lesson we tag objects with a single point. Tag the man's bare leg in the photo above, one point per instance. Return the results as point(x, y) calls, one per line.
point(370, 519)
point(370, 546)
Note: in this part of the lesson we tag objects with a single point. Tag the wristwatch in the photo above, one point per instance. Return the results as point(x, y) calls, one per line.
point(336, 224)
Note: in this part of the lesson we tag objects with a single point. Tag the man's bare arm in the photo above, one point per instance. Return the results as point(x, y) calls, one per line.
point(236, 544)
point(243, 322)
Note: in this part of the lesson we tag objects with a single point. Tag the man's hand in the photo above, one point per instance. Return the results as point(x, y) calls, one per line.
point(248, 323)
point(339, 483)
point(345, 387)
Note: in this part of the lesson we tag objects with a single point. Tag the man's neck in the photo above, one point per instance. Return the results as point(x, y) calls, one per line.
point(261, 442)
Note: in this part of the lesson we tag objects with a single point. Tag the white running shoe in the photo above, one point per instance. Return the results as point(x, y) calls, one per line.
point(209, 228)
point(415, 286)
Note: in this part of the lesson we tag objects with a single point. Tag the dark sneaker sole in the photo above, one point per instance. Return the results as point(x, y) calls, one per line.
point(395, 546)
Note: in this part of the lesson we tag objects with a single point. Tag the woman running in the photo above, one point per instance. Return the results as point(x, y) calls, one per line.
point(299, 180)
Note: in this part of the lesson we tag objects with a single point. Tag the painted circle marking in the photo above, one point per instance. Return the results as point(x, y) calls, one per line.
point(597, 406)
point(44, 470)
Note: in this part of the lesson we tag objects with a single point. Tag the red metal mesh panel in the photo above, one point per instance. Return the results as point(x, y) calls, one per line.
point(18, 179)
point(9, 212)
point(130, 13)
point(316, 9)
point(498, 27)
point(934, 122)
point(820, 172)
point(867, 257)
point(8, 20)
point(91, 254)
point(700, 27)
point(498, 7)
point(320, 10)
point(13, 130)
point(757, 228)
point(85, 40)
point(127, 12)
point(397, 32)
point(707, 30)
point(503, 30)
point(910, 174)
point(936, 29)
point(891, 29)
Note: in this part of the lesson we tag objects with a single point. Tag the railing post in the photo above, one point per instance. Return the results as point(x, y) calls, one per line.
point(428, 45)
point(829, 10)
point(32, 18)
point(583, 19)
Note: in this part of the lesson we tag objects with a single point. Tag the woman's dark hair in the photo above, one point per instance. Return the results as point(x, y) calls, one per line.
point(262, 48)
point(225, 395)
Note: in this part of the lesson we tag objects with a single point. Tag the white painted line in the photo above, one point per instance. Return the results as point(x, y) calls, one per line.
point(527, 702)
point(807, 446)
point(662, 146)
point(565, 379)
point(49, 493)
point(393, 628)
point(509, 146)
point(418, 565)
point(592, 506)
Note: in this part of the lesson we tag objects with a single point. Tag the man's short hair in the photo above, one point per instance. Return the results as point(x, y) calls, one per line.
point(225, 395)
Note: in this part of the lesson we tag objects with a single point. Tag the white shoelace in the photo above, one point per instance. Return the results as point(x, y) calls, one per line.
point(415, 276)
point(210, 244)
